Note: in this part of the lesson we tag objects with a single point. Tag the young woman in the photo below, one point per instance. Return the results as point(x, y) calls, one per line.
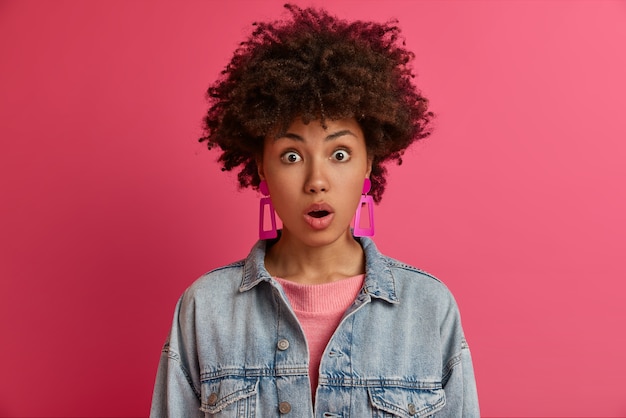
point(316, 321)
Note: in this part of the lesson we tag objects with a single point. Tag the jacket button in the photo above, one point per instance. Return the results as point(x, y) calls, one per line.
point(412, 409)
point(284, 407)
point(212, 399)
point(283, 345)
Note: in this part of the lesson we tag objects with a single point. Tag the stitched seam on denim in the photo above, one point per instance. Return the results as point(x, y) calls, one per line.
point(402, 266)
point(450, 366)
point(381, 403)
point(381, 383)
point(236, 264)
point(230, 398)
point(172, 355)
point(240, 373)
point(279, 307)
point(350, 357)
point(464, 344)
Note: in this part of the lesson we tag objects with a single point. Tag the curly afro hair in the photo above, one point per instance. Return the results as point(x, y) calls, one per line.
point(316, 67)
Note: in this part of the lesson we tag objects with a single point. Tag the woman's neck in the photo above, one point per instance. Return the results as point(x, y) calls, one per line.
point(293, 260)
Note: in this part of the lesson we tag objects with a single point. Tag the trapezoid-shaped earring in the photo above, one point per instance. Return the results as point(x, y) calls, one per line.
point(266, 210)
point(366, 200)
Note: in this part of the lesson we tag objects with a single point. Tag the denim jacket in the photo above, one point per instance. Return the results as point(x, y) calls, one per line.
point(236, 349)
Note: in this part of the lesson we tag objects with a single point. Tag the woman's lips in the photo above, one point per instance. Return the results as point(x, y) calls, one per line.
point(319, 215)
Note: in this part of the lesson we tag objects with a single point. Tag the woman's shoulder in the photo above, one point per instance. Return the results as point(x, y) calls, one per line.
point(226, 276)
point(411, 271)
point(225, 270)
point(395, 275)
point(409, 278)
point(421, 289)
point(382, 265)
point(235, 277)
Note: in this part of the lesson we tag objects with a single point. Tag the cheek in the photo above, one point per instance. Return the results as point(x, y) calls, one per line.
point(284, 188)
point(353, 189)
point(357, 182)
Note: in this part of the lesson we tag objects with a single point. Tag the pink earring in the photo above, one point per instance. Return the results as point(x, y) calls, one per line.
point(266, 201)
point(366, 200)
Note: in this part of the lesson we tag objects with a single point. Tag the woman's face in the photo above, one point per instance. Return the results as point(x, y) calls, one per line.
point(315, 178)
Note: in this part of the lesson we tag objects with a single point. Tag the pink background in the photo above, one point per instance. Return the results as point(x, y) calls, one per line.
point(109, 208)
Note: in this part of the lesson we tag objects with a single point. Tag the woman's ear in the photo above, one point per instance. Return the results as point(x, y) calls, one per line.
point(259, 166)
point(370, 160)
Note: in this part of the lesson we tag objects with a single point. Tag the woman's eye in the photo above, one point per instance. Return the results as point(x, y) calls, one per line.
point(291, 157)
point(341, 155)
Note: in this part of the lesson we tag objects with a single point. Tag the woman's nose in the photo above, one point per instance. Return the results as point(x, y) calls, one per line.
point(317, 181)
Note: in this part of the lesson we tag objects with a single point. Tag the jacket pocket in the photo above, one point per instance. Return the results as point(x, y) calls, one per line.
point(406, 402)
point(229, 397)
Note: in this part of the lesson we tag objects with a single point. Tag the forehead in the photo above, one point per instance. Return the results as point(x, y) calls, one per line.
point(328, 130)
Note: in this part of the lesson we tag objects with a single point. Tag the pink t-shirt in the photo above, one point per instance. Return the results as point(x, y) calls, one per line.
point(319, 309)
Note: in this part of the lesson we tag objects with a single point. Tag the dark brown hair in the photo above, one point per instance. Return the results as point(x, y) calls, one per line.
point(316, 66)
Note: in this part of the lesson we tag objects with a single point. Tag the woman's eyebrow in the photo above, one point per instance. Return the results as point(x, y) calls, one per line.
point(289, 135)
point(341, 133)
point(330, 137)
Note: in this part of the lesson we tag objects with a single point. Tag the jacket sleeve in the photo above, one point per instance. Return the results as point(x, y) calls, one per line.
point(458, 379)
point(176, 390)
point(460, 386)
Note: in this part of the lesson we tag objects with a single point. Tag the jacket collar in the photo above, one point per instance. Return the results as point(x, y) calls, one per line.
point(379, 282)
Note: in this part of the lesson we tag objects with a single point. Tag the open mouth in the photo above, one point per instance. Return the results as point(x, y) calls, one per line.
point(319, 216)
point(319, 213)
